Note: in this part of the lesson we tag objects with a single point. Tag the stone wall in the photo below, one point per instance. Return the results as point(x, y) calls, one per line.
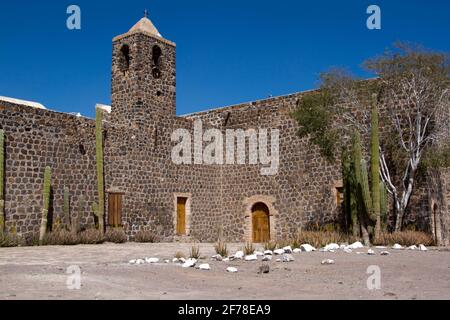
point(36, 138)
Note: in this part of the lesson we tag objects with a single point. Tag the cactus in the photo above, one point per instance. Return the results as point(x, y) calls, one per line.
point(78, 214)
point(66, 207)
point(99, 157)
point(349, 194)
point(365, 189)
point(46, 202)
point(2, 180)
point(375, 166)
point(96, 213)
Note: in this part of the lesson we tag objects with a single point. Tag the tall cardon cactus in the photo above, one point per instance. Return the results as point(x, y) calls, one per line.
point(45, 202)
point(375, 166)
point(99, 158)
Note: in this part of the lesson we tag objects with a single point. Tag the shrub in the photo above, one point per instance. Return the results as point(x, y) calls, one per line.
point(405, 238)
point(60, 237)
point(322, 238)
point(90, 236)
point(179, 255)
point(270, 245)
point(145, 236)
point(221, 248)
point(194, 252)
point(10, 240)
point(249, 248)
point(115, 235)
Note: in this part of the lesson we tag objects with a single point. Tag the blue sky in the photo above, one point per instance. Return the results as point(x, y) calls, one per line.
point(227, 51)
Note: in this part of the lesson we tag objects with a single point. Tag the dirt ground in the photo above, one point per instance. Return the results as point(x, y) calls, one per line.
point(40, 273)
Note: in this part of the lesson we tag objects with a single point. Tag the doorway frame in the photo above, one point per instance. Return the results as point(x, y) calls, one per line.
point(188, 196)
point(248, 215)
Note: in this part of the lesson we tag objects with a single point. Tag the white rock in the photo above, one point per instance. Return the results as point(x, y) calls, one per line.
point(132, 261)
point(232, 269)
point(166, 261)
point(175, 260)
point(331, 246)
point(380, 247)
point(278, 260)
point(384, 253)
point(267, 258)
point(189, 263)
point(287, 249)
point(413, 247)
point(182, 260)
point(327, 261)
point(358, 252)
point(307, 247)
point(288, 258)
point(278, 251)
point(355, 245)
point(422, 248)
point(151, 260)
point(397, 246)
point(348, 250)
point(140, 261)
point(297, 250)
point(370, 252)
point(239, 254)
point(226, 259)
point(217, 257)
point(251, 257)
point(259, 253)
point(204, 266)
point(268, 252)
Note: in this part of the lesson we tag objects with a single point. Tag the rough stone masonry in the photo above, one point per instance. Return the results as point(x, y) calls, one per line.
point(214, 199)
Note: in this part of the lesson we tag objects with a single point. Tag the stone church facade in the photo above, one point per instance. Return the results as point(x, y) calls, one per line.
point(177, 202)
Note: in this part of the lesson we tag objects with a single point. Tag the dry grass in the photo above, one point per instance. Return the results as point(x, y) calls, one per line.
point(10, 240)
point(145, 236)
point(60, 237)
point(405, 238)
point(116, 235)
point(221, 248)
point(194, 252)
point(179, 255)
point(90, 236)
point(249, 248)
point(270, 245)
point(322, 238)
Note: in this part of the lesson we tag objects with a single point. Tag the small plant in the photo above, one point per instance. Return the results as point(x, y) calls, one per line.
point(90, 236)
point(10, 240)
point(249, 248)
point(60, 237)
point(66, 208)
point(145, 236)
point(270, 245)
point(194, 252)
point(179, 255)
point(116, 235)
point(221, 248)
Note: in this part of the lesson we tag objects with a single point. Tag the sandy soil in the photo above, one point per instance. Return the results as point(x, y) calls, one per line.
point(40, 273)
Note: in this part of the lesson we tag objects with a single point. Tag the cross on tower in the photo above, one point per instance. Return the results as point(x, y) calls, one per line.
point(145, 13)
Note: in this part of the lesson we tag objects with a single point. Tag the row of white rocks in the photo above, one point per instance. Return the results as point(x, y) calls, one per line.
point(285, 254)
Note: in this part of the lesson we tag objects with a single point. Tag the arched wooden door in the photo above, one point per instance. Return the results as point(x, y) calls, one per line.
point(260, 223)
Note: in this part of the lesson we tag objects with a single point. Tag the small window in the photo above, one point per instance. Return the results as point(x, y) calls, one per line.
point(156, 59)
point(124, 58)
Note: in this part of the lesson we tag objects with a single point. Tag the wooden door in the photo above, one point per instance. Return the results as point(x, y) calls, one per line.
point(260, 222)
point(115, 209)
point(181, 215)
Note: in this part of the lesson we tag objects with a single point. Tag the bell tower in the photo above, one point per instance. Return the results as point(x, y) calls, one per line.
point(143, 75)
